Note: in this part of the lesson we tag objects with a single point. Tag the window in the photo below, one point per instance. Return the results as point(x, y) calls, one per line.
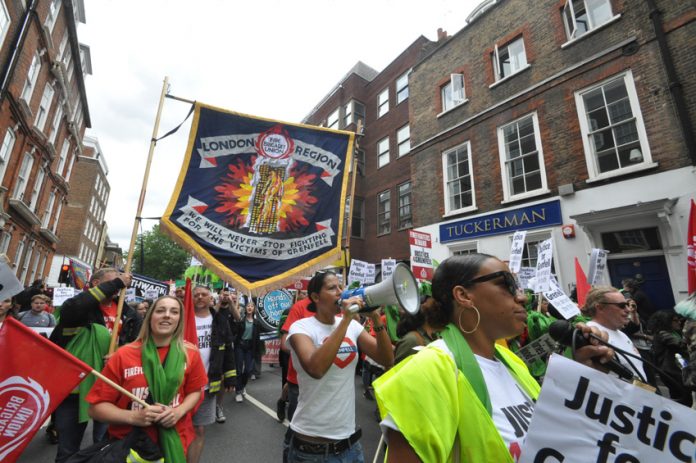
point(23, 176)
point(465, 249)
point(405, 217)
point(402, 87)
point(44, 107)
point(383, 213)
point(53, 9)
point(452, 93)
point(18, 256)
point(521, 157)
point(358, 226)
point(63, 157)
point(32, 75)
point(354, 111)
point(5, 241)
point(34, 265)
point(403, 140)
point(6, 150)
point(55, 125)
point(360, 157)
point(383, 103)
point(614, 136)
point(509, 59)
point(4, 21)
point(36, 191)
point(636, 240)
point(459, 183)
point(383, 152)
point(41, 268)
point(46, 218)
point(332, 121)
point(57, 219)
point(70, 166)
point(581, 16)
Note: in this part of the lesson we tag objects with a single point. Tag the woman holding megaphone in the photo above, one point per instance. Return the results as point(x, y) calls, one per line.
point(325, 354)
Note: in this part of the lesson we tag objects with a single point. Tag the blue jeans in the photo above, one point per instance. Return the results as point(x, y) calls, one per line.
point(244, 363)
point(352, 455)
point(70, 430)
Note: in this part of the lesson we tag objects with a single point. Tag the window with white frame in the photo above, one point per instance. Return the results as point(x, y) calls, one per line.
point(357, 229)
point(32, 75)
point(57, 217)
point(53, 10)
point(509, 59)
point(383, 152)
point(55, 125)
point(521, 157)
point(46, 217)
point(5, 241)
point(4, 21)
point(384, 213)
point(36, 191)
point(403, 140)
point(383, 103)
point(354, 111)
point(35, 265)
point(464, 249)
point(332, 121)
point(459, 183)
point(42, 266)
point(71, 163)
point(402, 87)
point(581, 16)
point(452, 93)
point(44, 107)
point(23, 176)
point(6, 150)
point(63, 156)
point(18, 256)
point(405, 214)
point(612, 127)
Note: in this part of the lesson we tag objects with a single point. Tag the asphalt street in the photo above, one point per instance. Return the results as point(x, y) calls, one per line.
point(252, 432)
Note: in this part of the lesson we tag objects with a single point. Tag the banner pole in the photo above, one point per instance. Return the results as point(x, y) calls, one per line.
point(141, 201)
point(120, 389)
point(349, 227)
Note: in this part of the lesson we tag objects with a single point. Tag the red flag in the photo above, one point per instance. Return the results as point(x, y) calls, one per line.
point(581, 285)
point(691, 249)
point(190, 333)
point(30, 388)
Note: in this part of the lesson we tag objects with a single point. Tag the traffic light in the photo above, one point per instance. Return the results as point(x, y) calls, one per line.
point(64, 276)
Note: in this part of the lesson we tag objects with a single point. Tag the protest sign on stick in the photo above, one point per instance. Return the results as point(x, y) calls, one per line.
point(517, 250)
point(388, 266)
point(598, 273)
point(544, 263)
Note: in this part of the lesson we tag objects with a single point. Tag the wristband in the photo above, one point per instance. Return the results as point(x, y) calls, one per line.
point(379, 328)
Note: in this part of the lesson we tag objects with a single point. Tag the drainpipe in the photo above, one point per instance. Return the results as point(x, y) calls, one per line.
point(675, 86)
point(16, 48)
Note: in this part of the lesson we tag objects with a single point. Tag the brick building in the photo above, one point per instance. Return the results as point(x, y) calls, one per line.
point(43, 115)
point(380, 101)
point(571, 119)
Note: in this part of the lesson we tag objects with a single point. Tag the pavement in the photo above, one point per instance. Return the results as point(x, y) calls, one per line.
point(252, 432)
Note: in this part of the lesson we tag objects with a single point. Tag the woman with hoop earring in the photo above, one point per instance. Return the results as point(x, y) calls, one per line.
point(465, 398)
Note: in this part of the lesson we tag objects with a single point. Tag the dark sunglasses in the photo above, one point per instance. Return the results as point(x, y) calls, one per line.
point(620, 305)
point(510, 281)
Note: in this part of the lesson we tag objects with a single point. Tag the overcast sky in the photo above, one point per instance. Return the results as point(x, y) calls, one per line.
point(274, 59)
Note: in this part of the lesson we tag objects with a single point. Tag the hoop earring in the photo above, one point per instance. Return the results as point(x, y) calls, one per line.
point(478, 321)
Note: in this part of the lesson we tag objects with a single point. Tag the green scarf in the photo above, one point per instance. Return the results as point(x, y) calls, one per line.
point(90, 344)
point(164, 382)
point(391, 313)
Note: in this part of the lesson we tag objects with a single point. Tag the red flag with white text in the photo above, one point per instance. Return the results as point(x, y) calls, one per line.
point(691, 249)
point(35, 376)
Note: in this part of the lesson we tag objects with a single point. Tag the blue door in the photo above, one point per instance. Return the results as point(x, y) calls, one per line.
point(652, 270)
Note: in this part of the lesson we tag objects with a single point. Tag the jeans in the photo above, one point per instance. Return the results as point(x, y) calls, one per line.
point(70, 431)
point(244, 362)
point(352, 455)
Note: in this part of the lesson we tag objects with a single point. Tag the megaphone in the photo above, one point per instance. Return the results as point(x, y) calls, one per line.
point(401, 288)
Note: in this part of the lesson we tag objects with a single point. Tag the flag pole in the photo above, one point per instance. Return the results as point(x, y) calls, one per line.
point(136, 224)
point(120, 389)
point(349, 227)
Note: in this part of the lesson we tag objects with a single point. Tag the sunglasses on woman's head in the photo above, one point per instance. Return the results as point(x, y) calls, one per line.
point(510, 281)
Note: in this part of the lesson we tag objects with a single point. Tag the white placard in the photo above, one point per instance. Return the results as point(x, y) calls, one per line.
point(598, 273)
point(45, 332)
point(60, 295)
point(151, 294)
point(584, 415)
point(130, 294)
point(388, 266)
point(527, 277)
point(561, 301)
point(362, 272)
point(516, 251)
point(9, 284)
point(543, 268)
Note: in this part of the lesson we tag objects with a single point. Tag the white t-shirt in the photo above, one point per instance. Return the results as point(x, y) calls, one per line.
point(326, 406)
point(622, 341)
point(204, 329)
point(512, 408)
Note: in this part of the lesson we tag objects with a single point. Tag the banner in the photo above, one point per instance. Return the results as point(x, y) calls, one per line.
point(543, 267)
point(516, 250)
point(271, 306)
point(421, 261)
point(598, 273)
point(388, 266)
point(9, 284)
point(81, 273)
point(362, 272)
point(147, 287)
point(259, 201)
point(30, 389)
point(272, 350)
point(558, 298)
point(691, 249)
point(583, 415)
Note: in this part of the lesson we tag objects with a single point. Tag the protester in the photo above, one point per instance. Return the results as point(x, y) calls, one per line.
point(298, 311)
point(134, 314)
point(6, 309)
point(645, 307)
point(687, 309)
point(451, 396)
point(667, 342)
point(37, 317)
point(215, 347)
point(246, 337)
point(84, 330)
point(160, 366)
point(25, 298)
point(636, 330)
point(324, 351)
point(227, 306)
point(418, 330)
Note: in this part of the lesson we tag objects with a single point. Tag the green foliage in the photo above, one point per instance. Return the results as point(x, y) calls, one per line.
point(163, 258)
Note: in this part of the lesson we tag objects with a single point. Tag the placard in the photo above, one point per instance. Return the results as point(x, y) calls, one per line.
point(543, 267)
point(62, 294)
point(538, 349)
point(526, 276)
point(516, 250)
point(598, 273)
point(362, 272)
point(388, 266)
point(9, 284)
point(421, 259)
point(561, 301)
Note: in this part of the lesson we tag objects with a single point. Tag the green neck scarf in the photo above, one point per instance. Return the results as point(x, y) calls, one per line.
point(164, 382)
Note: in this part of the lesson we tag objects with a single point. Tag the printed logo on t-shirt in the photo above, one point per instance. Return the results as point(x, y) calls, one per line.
point(346, 353)
point(204, 332)
point(141, 392)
